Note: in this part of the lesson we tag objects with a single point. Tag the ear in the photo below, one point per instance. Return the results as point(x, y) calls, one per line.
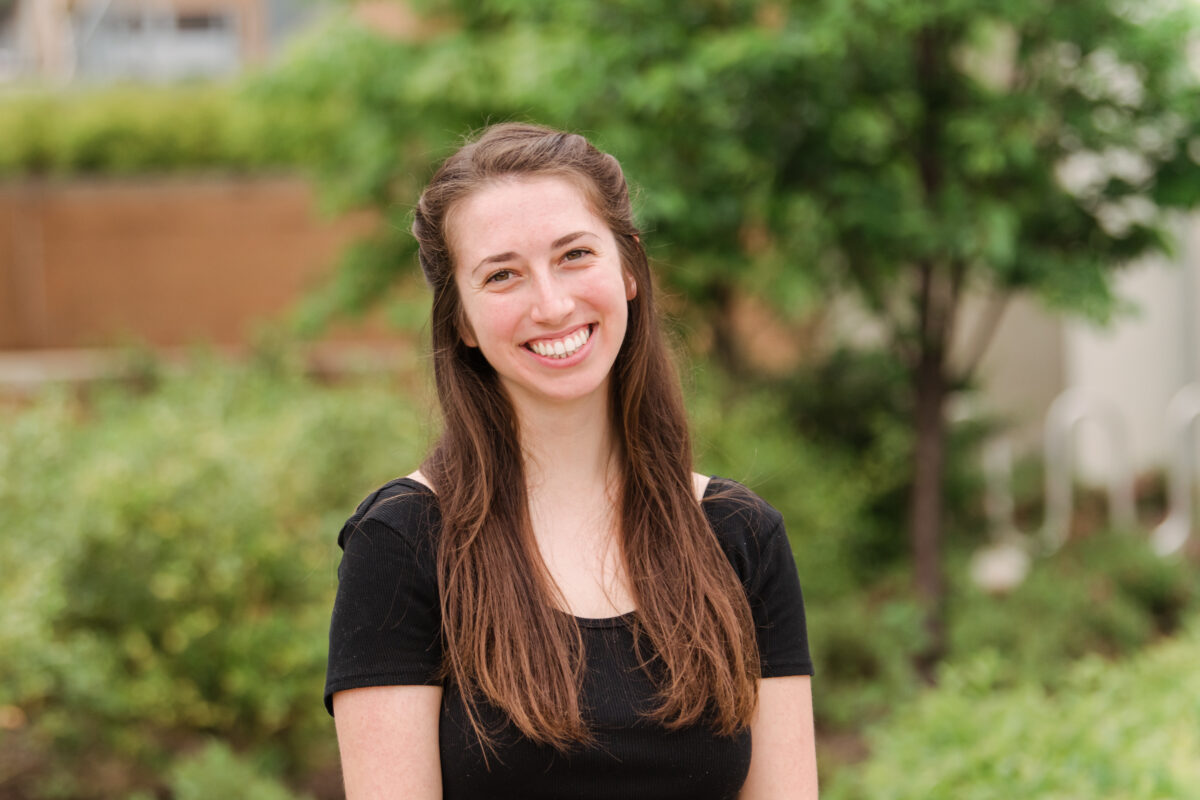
point(630, 283)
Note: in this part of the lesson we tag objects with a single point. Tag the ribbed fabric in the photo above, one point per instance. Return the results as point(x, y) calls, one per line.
point(386, 631)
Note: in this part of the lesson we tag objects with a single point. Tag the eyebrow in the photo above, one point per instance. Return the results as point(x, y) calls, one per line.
point(500, 258)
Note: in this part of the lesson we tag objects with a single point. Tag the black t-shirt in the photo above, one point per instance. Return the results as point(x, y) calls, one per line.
point(386, 631)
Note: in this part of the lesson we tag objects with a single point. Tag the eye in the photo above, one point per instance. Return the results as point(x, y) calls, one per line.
point(576, 254)
point(499, 276)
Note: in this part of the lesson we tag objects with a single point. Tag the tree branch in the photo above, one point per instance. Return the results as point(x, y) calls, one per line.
point(984, 333)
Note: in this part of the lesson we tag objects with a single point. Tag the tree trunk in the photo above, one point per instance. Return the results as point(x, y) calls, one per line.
point(925, 505)
point(936, 308)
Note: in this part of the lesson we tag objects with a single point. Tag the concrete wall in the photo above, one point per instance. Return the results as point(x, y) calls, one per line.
point(1136, 364)
point(1132, 366)
point(167, 262)
point(1022, 371)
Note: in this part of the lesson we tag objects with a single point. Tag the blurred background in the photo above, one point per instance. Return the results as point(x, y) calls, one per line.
point(932, 271)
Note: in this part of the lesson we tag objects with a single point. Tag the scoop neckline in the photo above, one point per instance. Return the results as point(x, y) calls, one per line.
point(602, 622)
point(614, 621)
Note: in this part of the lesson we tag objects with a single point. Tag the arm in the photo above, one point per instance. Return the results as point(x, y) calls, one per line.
point(388, 738)
point(783, 761)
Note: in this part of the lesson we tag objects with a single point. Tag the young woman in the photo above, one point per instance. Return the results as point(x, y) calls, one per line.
point(554, 605)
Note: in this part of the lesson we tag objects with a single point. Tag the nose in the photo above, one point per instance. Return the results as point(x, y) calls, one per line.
point(552, 301)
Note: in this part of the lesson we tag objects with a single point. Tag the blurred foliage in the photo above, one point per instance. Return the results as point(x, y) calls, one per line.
point(842, 139)
point(1126, 733)
point(840, 480)
point(1106, 595)
point(217, 772)
point(168, 550)
point(168, 547)
point(1111, 594)
point(788, 148)
point(847, 418)
point(128, 130)
point(169, 561)
point(908, 153)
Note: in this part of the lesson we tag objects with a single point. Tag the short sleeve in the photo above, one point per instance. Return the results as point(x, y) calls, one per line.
point(777, 605)
point(754, 538)
point(386, 623)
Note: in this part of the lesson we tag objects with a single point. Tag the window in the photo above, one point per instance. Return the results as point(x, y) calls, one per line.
point(200, 22)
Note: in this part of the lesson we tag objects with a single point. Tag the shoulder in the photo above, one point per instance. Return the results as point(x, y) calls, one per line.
point(404, 507)
point(734, 510)
point(748, 528)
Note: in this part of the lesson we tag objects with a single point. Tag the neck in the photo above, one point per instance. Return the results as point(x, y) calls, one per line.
point(570, 450)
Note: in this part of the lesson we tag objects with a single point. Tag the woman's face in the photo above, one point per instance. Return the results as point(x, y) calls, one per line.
point(543, 290)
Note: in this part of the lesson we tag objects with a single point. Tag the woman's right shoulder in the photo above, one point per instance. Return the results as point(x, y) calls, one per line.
point(405, 506)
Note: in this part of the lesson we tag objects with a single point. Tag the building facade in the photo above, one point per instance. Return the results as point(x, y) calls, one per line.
point(142, 40)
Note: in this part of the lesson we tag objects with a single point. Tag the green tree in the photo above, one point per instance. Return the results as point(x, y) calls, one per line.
point(909, 152)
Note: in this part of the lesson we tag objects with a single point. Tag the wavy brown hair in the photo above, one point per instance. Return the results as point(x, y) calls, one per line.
point(504, 639)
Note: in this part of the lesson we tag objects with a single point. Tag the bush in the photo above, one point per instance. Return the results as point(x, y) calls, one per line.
point(169, 563)
point(168, 557)
point(151, 130)
point(1124, 731)
point(217, 772)
point(1107, 594)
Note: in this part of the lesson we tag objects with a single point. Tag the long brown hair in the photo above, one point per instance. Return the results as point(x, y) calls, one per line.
point(504, 640)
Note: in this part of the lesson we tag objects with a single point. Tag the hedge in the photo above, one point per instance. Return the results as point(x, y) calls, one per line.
point(1126, 731)
point(136, 130)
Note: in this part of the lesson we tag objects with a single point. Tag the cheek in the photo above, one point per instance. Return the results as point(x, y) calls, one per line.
point(489, 324)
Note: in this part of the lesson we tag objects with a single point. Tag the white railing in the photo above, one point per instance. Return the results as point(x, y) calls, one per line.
point(1069, 412)
point(1182, 413)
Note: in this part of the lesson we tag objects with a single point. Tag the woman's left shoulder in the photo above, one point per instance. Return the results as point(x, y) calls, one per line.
point(749, 530)
point(735, 510)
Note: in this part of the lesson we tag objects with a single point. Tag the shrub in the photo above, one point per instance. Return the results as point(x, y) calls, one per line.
point(1126, 731)
point(168, 558)
point(122, 131)
point(169, 562)
point(1107, 594)
point(217, 772)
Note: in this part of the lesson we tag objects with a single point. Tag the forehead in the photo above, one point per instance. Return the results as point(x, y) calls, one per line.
point(519, 215)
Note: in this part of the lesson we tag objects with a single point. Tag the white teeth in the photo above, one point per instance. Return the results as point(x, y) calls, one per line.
point(563, 347)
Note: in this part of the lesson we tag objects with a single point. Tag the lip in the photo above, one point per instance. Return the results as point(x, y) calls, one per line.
point(567, 361)
point(550, 337)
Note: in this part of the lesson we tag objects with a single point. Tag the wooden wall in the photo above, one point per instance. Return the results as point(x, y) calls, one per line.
point(166, 262)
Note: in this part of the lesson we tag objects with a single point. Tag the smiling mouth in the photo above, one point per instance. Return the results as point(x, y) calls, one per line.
point(561, 348)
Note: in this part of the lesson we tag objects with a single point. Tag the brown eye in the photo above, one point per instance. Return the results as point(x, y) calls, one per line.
point(499, 276)
point(576, 254)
